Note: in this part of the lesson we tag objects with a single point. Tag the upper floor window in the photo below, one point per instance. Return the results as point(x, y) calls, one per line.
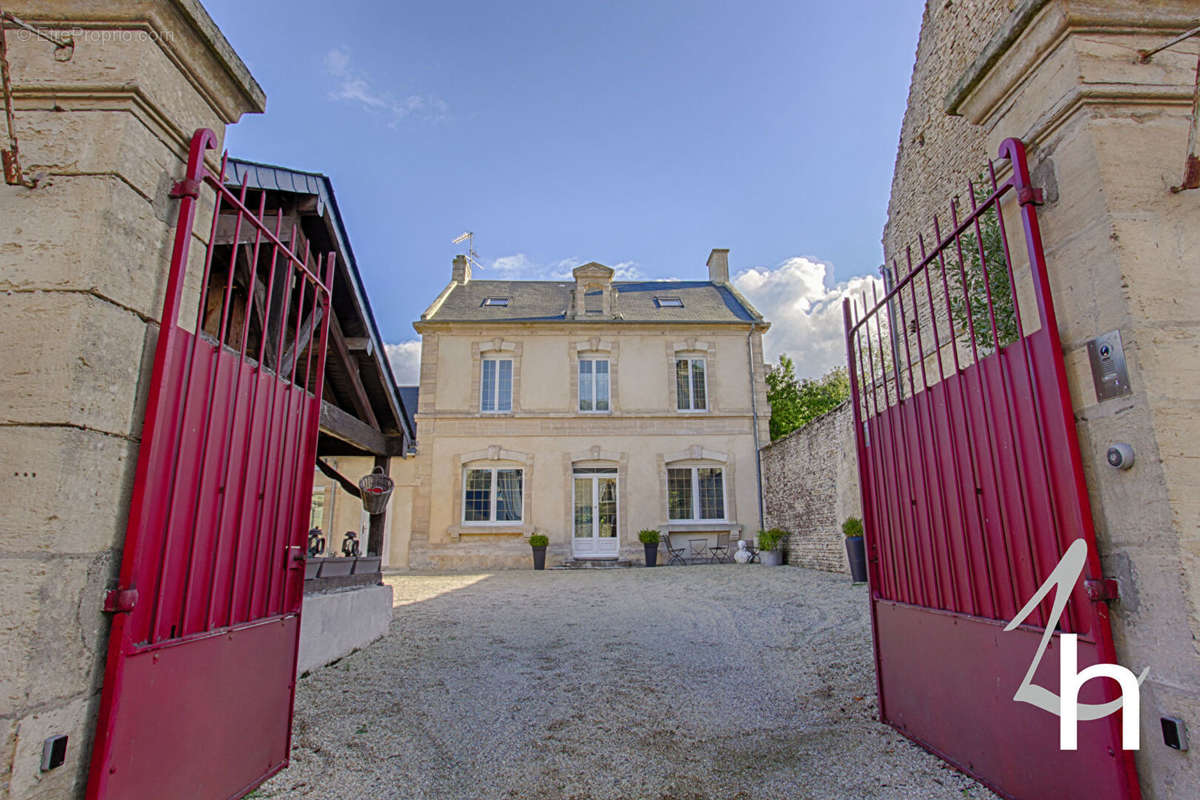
point(593, 384)
point(691, 386)
point(492, 495)
point(695, 493)
point(495, 385)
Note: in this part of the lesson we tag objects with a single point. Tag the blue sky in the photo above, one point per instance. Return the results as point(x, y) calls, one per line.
point(638, 134)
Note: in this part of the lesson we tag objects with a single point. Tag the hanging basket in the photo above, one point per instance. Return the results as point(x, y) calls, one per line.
point(376, 488)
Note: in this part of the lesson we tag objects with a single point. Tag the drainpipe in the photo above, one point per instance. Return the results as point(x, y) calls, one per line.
point(754, 413)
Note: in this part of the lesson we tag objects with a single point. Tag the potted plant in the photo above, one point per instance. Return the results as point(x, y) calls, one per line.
point(649, 539)
point(768, 546)
point(539, 542)
point(856, 552)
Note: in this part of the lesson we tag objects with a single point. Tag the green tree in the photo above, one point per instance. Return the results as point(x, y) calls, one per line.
point(783, 392)
point(969, 303)
point(795, 403)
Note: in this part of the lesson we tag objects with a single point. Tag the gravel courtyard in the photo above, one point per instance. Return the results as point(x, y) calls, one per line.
point(673, 683)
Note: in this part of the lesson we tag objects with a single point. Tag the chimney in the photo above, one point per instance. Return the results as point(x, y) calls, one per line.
point(462, 270)
point(718, 266)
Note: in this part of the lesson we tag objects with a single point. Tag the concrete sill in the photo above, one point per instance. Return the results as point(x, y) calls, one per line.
point(459, 531)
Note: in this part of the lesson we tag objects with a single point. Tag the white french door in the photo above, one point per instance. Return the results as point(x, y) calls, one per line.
point(595, 514)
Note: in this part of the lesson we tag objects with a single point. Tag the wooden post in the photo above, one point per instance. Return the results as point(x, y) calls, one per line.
point(379, 522)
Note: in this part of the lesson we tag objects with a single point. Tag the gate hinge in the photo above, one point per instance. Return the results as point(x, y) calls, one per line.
point(1030, 194)
point(117, 601)
point(1099, 589)
point(189, 187)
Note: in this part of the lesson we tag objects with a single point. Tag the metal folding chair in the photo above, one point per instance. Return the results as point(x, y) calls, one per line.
point(697, 547)
point(674, 554)
point(750, 546)
point(720, 553)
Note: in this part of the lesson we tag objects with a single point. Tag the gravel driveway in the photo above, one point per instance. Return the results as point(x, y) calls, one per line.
point(673, 683)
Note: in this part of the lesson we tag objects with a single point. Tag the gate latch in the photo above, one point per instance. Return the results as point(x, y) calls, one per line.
point(1099, 589)
point(117, 601)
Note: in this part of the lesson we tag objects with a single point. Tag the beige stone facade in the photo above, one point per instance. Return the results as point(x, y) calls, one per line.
point(636, 439)
point(1107, 136)
point(82, 270)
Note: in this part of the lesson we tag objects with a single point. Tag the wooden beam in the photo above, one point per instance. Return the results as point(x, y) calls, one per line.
point(350, 429)
point(305, 339)
point(359, 344)
point(227, 222)
point(358, 394)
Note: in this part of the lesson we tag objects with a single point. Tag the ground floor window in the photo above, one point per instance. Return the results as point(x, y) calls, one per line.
point(695, 493)
point(492, 495)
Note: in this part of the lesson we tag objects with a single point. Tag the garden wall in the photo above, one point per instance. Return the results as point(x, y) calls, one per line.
point(810, 485)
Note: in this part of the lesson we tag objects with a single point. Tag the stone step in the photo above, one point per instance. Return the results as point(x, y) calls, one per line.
point(593, 563)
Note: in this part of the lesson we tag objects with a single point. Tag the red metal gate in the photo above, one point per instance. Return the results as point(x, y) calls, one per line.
point(972, 490)
point(199, 681)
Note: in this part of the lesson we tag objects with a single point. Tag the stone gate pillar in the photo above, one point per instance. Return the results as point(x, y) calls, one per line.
point(83, 264)
point(1108, 135)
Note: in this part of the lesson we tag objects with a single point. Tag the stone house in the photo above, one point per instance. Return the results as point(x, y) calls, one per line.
point(585, 410)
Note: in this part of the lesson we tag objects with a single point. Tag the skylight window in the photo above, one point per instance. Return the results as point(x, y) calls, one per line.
point(668, 302)
point(496, 301)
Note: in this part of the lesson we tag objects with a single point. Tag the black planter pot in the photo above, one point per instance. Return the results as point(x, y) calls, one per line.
point(651, 554)
point(539, 557)
point(857, 553)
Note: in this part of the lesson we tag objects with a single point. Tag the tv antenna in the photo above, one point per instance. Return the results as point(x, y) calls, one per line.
point(469, 238)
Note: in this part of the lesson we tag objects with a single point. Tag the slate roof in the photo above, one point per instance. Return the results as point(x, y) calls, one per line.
point(633, 301)
point(409, 396)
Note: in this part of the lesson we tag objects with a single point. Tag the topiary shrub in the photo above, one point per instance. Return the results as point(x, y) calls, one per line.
point(539, 540)
point(852, 527)
point(648, 536)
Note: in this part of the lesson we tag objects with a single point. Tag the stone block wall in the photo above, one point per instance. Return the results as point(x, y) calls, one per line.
point(83, 266)
point(810, 486)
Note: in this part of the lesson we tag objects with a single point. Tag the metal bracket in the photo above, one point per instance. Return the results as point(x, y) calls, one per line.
point(1030, 194)
point(1191, 165)
point(120, 601)
point(1101, 589)
point(189, 187)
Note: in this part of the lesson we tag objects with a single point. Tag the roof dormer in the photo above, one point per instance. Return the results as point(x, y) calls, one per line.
point(593, 291)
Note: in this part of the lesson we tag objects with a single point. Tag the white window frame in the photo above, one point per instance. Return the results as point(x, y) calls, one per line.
point(579, 380)
point(491, 521)
point(691, 409)
point(695, 472)
point(498, 360)
point(595, 484)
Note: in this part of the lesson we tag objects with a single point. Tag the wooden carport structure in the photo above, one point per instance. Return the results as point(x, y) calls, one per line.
point(362, 413)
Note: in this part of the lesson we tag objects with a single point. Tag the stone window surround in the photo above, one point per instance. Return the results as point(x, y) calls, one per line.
point(594, 347)
point(698, 456)
point(494, 456)
point(693, 348)
point(495, 348)
point(595, 456)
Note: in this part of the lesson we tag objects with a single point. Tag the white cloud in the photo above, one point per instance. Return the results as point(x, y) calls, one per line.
point(354, 87)
point(520, 267)
point(405, 359)
point(805, 313)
